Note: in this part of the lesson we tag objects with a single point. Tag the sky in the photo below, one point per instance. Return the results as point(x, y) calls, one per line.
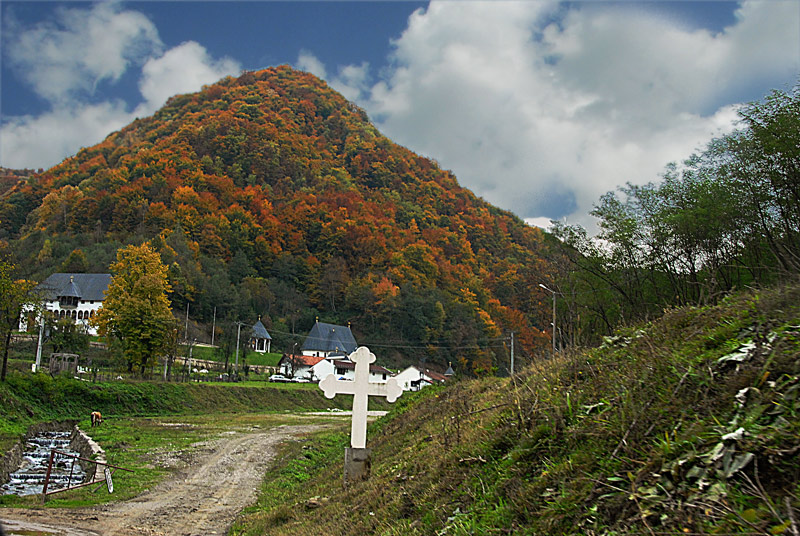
point(539, 107)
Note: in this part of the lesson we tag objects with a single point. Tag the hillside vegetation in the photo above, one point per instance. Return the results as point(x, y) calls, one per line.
point(685, 425)
point(270, 194)
point(726, 217)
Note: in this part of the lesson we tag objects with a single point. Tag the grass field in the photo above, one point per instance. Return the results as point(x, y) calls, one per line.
point(28, 399)
point(154, 447)
point(684, 425)
point(252, 358)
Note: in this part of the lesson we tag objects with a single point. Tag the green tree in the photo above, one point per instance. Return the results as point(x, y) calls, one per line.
point(66, 336)
point(13, 295)
point(136, 311)
point(75, 263)
point(726, 217)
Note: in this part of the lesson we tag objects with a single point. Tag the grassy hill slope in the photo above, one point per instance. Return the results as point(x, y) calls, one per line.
point(686, 425)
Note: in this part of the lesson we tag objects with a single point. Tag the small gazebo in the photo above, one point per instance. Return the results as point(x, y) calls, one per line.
point(260, 340)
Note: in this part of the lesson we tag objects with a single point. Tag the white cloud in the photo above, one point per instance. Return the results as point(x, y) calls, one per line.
point(33, 142)
point(69, 56)
point(543, 223)
point(350, 81)
point(182, 69)
point(541, 110)
point(308, 62)
point(63, 62)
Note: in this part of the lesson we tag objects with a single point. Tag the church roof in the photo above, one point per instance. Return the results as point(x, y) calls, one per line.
point(88, 287)
point(330, 338)
point(259, 331)
point(71, 290)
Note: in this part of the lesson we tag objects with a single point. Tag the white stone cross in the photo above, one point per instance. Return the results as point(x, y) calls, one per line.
point(361, 389)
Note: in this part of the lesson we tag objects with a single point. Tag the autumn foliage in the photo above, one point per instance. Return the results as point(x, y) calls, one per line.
point(271, 194)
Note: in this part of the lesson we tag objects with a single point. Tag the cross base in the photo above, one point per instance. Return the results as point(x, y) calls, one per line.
point(357, 464)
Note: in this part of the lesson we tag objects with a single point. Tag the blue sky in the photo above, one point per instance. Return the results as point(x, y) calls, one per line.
point(540, 107)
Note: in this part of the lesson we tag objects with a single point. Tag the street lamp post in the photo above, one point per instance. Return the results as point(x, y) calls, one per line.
point(38, 364)
point(553, 292)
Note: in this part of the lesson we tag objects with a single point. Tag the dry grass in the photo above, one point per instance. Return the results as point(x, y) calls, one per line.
point(614, 440)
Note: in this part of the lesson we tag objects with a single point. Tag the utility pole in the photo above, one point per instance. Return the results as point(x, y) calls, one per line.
point(239, 325)
point(553, 292)
point(512, 353)
point(238, 332)
point(186, 329)
point(214, 325)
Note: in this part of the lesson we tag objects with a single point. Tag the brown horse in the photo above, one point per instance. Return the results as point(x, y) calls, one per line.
point(96, 418)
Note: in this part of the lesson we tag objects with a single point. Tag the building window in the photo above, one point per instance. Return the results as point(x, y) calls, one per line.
point(68, 301)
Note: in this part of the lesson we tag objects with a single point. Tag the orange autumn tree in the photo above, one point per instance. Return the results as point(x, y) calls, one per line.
point(275, 176)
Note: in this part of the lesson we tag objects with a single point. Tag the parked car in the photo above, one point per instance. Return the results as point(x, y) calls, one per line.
point(279, 378)
point(301, 380)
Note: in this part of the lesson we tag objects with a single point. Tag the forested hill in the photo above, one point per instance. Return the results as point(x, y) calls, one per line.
point(270, 194)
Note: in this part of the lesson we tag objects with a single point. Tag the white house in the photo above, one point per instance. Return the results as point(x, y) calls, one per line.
point(346, 369)
point(75, 296)
point(415, 378)
point(306, 366)
point(316, 368)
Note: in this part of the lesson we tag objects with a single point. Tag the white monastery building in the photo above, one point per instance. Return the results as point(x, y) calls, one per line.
point(75, 296)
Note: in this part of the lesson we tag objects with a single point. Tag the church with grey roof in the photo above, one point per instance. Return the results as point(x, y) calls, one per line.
point(75, 296)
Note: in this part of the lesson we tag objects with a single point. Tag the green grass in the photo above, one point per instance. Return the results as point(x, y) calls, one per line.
point(622, 439)
point(252, 358)
point(28, 398)
point(153, 448)
point(626, 438)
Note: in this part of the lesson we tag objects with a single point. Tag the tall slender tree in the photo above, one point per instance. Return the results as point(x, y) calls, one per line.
point(13, 295)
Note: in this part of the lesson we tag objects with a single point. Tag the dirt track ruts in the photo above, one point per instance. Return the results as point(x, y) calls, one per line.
point(202, 499)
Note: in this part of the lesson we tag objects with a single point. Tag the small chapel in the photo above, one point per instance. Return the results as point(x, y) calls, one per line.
point(260, 339)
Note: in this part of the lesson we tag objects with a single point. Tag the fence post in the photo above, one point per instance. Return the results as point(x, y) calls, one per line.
point(47, 476)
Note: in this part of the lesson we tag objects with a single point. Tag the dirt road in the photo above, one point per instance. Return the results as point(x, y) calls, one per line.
point(202, 499)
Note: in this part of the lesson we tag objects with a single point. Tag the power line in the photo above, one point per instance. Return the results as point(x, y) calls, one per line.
point(432, 347)
point(495, 342)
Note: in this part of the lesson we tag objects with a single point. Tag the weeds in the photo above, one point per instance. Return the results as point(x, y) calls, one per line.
point(615, 440)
